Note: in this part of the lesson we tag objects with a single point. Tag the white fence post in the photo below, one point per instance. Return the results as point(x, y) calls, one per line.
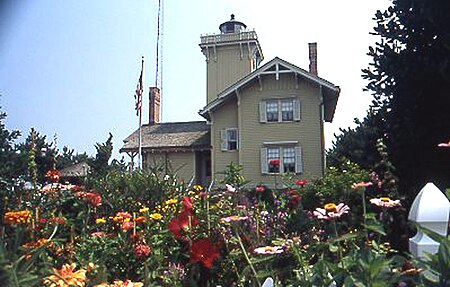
point(430, 209)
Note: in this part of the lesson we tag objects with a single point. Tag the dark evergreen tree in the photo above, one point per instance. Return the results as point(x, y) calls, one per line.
point(8, 155)
point(410, 80)
point(358, 144)
point(100, 164)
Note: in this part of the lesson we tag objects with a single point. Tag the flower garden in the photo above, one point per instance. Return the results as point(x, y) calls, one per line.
point(144, 228)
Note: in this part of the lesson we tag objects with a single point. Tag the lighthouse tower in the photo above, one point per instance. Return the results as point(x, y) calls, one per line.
point(230, 55)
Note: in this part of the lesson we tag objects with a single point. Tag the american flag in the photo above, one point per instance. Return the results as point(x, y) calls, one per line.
point(138, 95)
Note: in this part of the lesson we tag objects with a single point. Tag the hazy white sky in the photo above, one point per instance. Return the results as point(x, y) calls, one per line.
point(71, 67)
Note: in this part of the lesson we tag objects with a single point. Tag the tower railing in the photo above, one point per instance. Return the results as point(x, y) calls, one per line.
point(228, 37)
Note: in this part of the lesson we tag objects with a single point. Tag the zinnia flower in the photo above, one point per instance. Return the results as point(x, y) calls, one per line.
point(65, 277)
point(170, 201)
point(17, 217)
point(140, 219)
point(331, 211)
point(156, 216)
point(144, 210)
point(269, 250)
point(385, 202)
point(294, 201)
point(233, 218)
point(101, 220)
point(122, 217)
point(120, 283)
point(204, 252)
point(97, 234)
point(141, 251)
point(127, 225)
point(359, 185)
point(260, 188)
point(53, 175)
point(230, 188)
point(301, 182)
point(444, 145)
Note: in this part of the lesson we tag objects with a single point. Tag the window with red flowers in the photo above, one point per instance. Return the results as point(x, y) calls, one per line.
point(281, 159)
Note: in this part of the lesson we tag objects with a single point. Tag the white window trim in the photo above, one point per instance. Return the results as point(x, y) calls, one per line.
point(264, 160)
point(296, 110)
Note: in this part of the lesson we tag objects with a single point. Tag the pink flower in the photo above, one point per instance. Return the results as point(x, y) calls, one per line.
point(331, 211)
point(360, 185)
point(230, 188)
point(233, 218)
point(127, 225)
point(301, 182)
point(260, 188)
point(385, 202)
point(98, 234)
point(141, 251)
point(444, 145)
point(269, 250)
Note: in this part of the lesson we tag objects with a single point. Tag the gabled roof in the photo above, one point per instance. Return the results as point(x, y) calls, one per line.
point(276, 67)
point(77, 170)
point(170, 137)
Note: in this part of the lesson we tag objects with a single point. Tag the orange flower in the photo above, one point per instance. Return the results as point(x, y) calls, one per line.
point(65, 277)
point(122, 217)
point(53, 175)
point(17, 217)
point(140, 219)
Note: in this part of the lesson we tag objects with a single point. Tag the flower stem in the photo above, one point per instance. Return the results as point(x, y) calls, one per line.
point(247, 258)
point(339, 244)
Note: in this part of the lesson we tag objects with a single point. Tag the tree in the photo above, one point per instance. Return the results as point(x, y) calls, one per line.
point(99, 164)
point(409, 78)
point(8, 155)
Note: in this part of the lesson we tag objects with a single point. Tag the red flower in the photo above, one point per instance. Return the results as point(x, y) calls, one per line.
point(181, 223)
point(53, 175)
point(301, 182)
point(274, 162)
point(141, 251)
point(188, 205)
point(294, 200)
point(260, 188)
point(204, 252)
point(91, 198)
point(140, 219)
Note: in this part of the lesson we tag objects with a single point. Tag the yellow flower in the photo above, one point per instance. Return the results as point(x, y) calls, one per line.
point(171, 201)
point(197, 187)
point(100, 220)
point(156, 216)
point(330, 207)
point(65, 277)
point(144, 210)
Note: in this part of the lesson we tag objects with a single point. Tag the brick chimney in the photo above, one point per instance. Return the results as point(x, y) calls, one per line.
point(313, 58)
point(155, 105)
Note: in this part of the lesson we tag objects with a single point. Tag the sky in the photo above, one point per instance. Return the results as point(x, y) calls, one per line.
point(70, 68)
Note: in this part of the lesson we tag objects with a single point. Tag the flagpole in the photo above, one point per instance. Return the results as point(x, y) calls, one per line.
point(140, 116)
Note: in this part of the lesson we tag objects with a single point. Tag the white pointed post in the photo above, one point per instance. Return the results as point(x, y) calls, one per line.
point(430, 209)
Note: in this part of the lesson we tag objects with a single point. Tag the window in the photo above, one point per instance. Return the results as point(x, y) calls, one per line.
point(229, 139)
point(281, 159)
point(272, 111)
point(280, 110)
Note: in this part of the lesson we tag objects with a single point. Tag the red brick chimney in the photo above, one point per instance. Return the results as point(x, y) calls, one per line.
point(155, 105)
point(313, 58)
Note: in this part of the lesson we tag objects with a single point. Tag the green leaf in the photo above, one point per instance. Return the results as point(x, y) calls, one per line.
point(378, 228)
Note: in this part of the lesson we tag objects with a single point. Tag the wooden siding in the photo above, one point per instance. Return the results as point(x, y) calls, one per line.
point(224, 118)
point(225, 67)
point(253, 133)
point(183, 163)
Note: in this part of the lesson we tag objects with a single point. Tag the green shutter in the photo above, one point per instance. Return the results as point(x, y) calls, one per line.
point(296, 110)
point(298, 160)
point(223, 140)
point(264, 167)
point(262, 112)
